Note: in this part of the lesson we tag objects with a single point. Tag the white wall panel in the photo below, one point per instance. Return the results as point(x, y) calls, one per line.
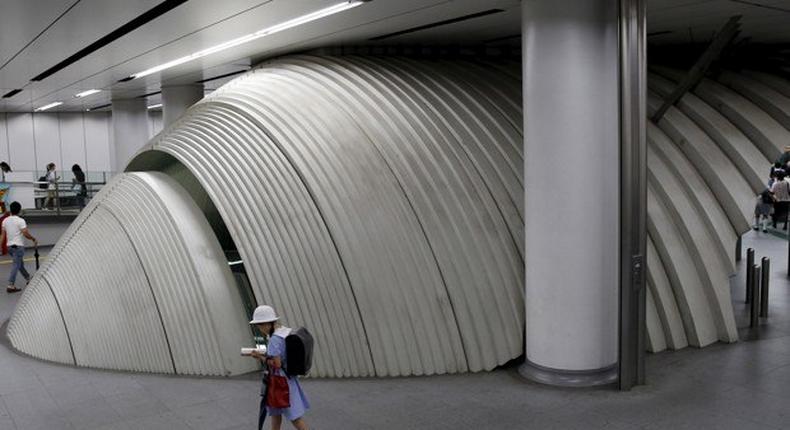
point(30, 141)
point(22, 152)
point(72, 142)
point(3, 138)
point(97, 142)
point(47, 135)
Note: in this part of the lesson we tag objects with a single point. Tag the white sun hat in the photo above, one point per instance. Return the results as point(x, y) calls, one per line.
point(264, 314)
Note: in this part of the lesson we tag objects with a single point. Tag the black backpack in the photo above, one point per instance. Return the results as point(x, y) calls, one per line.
point(43, 186)
point(299, 350)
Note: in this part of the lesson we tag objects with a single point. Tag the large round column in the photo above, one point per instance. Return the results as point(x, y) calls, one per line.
point(129, 130)
point(176, 99)
point(571, 183)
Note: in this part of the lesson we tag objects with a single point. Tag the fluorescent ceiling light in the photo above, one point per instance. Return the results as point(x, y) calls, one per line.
point(86, 93)
point(49, 106)
point(304, 19)
point(158, 105)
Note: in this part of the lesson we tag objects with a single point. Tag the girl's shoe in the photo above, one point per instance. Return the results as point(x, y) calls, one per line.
point(12, 290)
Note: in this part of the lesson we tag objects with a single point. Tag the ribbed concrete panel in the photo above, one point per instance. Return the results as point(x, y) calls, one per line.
point(740, 150)
point(656, 341)
point(695, 310)
point(664, 300)
point(103, 293)
point(142, 285)
point(195, 294)
point(691, 224)
point(37, 327)
point(289, 254)
point(732, 191)
point(717, 223)
point(771, 101)
point(392, 159)
point(774, 82)
point(764, 131)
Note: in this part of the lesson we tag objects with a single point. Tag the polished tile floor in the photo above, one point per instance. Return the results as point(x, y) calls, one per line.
point(741, 386)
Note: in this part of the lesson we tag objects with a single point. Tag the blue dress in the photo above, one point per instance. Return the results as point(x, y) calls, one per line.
point(299, 404)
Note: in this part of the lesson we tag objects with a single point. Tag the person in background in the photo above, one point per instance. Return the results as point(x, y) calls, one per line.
point(79, 181)
point(52, 185)
point(763, 209)
point(4, 168)
point(772, 177)
point(781, 194)
point(15, 230)
point(784, 159)
point(265, 320)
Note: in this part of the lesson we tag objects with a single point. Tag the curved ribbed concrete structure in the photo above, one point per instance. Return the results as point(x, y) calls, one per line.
point(378, 202)
point(137, 283)
point(709, 157)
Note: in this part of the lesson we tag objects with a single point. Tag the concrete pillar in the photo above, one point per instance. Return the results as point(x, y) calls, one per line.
point(571, 176)
point(129, 130)
point(176, 99)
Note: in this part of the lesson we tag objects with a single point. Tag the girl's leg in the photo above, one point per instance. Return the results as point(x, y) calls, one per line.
point(277, 421)
point(299, 424)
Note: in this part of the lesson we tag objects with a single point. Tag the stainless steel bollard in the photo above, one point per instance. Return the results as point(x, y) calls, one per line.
point(755, 297)
point(749, 264)
point(764, 282)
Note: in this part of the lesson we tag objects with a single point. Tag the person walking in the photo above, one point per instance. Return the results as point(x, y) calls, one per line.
point(266, 321)
point(781, 192)
point(79, 181)
point(15, 230)
point(52, 184)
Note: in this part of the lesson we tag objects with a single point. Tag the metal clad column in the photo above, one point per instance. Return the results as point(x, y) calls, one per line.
point(129, 131)
point(571, 95)
point(176, 99)
point(633, 192)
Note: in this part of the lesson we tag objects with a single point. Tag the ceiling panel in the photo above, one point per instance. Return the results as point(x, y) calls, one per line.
point(198, 24)
point(20, 24)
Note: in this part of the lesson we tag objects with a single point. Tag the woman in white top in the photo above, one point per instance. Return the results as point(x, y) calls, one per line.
point(781, 192)
point(52, 184)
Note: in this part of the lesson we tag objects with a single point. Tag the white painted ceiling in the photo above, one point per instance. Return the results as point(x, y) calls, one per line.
point(37, 34)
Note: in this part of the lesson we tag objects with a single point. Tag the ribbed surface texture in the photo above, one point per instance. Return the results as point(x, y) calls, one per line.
point(708, 158)
point(379, 202)
point(136, 290)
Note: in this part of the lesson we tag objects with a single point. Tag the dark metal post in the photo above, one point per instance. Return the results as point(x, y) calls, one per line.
point(749, 264)
point(738, 250)
point(755, 296)
point(764, 282)
point(632, 37)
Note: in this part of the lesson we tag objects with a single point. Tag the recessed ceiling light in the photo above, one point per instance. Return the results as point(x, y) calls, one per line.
point(49, 106)
point(304, 19)
point(158, 105)
point(86, 93)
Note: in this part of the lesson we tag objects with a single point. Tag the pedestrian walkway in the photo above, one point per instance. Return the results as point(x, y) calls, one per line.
point(740, 386)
